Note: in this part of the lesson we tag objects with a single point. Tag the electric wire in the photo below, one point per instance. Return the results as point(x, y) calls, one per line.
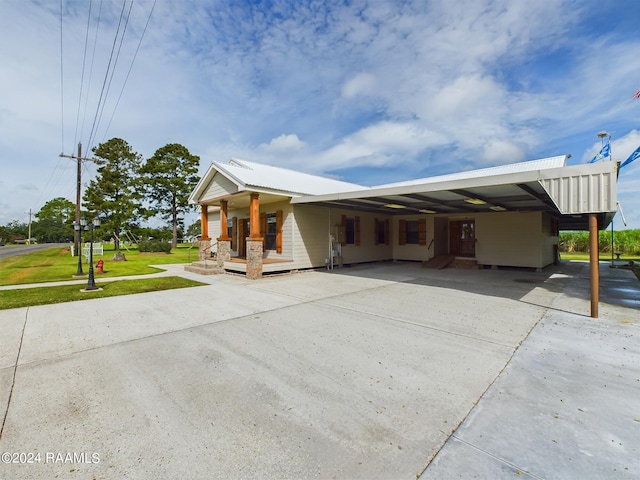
point(61, 80)
point(84, 63)
point(115, 63)
point(93, 56)
point(130, 68)
point(106, 77)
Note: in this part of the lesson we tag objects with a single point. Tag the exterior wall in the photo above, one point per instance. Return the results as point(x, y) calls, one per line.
point(219, 187)
point(512, 239)
point(367, 251)
point(503, 238)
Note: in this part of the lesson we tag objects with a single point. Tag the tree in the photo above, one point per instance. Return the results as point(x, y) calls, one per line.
point(194, 229)
point(168, 178)
point(112, 195)
point(55, 221)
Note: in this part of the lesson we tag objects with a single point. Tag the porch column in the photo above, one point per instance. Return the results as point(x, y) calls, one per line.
point(204, 250)
point(254, 241)
point(224, 242)
point(594, 267)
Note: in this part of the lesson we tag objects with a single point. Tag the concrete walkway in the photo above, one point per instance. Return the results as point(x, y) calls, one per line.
point(360, 373)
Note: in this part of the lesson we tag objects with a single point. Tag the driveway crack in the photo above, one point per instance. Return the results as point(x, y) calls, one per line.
point(15, 369)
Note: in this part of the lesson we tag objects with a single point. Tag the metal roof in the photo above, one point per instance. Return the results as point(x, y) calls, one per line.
point(568, 193)
point(250, 174)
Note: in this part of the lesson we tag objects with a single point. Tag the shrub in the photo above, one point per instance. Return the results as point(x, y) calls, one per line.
point(154, 246)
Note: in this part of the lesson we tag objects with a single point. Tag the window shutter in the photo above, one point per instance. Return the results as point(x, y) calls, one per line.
point(263, 229)
point(356, 227)
point(402, 232)
point(376, 231)
point(386, 232)
point(279, 231)
point(422, 231)
point(234, 233)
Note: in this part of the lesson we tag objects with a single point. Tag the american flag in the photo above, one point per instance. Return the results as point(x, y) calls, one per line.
point(636, 95)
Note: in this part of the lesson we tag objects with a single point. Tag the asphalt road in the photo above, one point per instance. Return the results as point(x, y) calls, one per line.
point(12, 250)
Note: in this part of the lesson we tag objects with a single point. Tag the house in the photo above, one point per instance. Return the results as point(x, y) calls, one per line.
point(264, 219)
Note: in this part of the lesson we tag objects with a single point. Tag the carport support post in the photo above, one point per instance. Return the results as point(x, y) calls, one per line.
point(254, 241)
point(594, 272)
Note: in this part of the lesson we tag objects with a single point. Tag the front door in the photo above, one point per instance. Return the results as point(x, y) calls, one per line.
point(462, 238)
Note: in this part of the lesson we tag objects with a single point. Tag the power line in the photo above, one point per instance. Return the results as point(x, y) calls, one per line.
point(84, 62)
point(61, 81)
point(106, 76)
point(130, 67)
point(113, 70)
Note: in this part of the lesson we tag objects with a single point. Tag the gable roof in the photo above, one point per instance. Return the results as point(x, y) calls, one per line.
point(251, 176)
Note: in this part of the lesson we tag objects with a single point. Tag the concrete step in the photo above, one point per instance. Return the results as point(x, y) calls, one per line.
point(204, 268)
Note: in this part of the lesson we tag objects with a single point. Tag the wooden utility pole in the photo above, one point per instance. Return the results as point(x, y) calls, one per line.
point(77, 233)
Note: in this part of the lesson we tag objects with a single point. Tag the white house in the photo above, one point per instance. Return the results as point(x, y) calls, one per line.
point(261, 219)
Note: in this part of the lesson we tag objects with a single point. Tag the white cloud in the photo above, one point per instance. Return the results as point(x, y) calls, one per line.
point(361, 84)
point(284, 144)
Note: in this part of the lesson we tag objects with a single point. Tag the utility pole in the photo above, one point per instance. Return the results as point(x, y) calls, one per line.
point(77, 233)
point(29, 237)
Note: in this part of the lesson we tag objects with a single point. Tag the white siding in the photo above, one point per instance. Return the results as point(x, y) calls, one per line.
point(219, 187)
point(510, 239)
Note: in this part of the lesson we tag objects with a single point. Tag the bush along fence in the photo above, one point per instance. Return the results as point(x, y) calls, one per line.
point(156, 246)
point(626, 242)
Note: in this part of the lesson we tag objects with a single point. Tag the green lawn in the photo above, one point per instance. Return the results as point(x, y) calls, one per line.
point(57, 264)
point(604, 257)
point(28, 297)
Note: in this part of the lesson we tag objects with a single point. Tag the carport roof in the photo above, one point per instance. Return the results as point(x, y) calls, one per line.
point(568, 193)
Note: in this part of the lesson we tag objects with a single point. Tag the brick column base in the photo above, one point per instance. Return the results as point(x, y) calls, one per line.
point(224, 252)
point(254, 258)
point(204, 251)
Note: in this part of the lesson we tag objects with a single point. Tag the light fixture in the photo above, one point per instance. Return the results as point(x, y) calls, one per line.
point(394, 205)
point(497, 208)
point(427, 211)
point(475, 201)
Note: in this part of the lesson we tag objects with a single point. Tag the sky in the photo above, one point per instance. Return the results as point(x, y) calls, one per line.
point(369, 92)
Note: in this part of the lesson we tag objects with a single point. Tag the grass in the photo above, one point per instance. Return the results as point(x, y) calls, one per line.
point(57, 264)
point(603, 257)
point(28, 297)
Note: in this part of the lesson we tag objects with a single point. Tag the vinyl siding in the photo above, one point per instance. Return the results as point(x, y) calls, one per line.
point(220, 186)
point(510, 239)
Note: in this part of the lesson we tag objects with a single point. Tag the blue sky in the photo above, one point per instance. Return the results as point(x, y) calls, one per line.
point(368, 92)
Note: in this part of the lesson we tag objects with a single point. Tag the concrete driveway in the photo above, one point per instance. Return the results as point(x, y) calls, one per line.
point(360, 373)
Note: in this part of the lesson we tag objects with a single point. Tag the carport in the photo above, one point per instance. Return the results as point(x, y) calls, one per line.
point(580, 197)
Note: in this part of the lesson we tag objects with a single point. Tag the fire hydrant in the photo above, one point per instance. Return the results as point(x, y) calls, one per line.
point(99, 265)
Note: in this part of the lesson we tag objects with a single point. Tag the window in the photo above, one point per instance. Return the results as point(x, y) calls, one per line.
point(412, 232)
point(271, 231)
point(351, 232)
point(352, 229)
point(381, 232)
point(270, 234)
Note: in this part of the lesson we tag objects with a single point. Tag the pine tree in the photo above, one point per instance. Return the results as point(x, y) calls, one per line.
point(112, 196)
point(168, 178)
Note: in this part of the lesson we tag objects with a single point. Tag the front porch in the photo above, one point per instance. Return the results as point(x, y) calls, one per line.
point(269, 265)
